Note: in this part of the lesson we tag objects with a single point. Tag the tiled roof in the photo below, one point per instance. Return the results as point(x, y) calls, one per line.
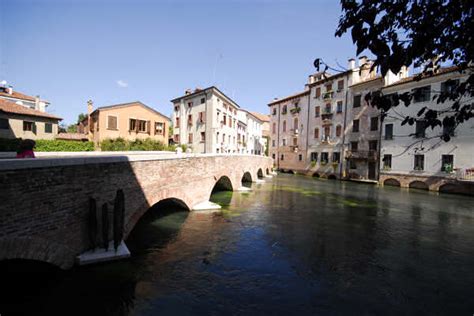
point(412, 78)
point(121, 105)
point(261, 117)
point(71, 136)
point(18, 95)
point(289, 97)
point(11, 107)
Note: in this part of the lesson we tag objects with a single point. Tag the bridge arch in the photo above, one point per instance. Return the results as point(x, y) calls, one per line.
point(37, 249)
point(418, 185)
point(316, 175)
point(332, 177)
point(392, 182)
point(260, 173)
point(267, 171)
point(448, 188)
point(246, 178)
point(223, 184)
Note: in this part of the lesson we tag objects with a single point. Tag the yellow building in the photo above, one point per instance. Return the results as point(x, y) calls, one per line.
point(129, 121)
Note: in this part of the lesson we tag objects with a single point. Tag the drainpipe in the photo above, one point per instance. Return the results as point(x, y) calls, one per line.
point(206, 135)
point(307, 126)
point(278, 138)
point(343, 163)
point(377, 165)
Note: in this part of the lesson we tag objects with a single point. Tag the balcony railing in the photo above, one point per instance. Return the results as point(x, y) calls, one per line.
point(465, 175)
point(328, 95)
point(295, 131)
point(362, 154)
point(325, 138)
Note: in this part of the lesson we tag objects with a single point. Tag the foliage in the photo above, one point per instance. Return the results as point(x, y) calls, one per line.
point(81, 117)
point(120, 144)
point(63, 145)
point(48, 145)
point(72, 128)
point(420, 33)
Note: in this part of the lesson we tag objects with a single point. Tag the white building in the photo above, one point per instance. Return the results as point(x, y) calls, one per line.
point(34, 103)
point(208, 121)
point(410, 152)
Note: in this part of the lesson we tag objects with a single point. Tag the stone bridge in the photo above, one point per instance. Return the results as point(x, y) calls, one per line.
point(45, 202)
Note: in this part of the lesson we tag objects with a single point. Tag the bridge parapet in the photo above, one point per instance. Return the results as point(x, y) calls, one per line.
point(45, 200)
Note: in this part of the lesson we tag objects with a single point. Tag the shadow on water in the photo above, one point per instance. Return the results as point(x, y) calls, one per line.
point(36, 288)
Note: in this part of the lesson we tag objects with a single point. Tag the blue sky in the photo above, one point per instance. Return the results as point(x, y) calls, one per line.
point(70, 51)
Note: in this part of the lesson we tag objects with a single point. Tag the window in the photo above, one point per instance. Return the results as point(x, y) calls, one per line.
point(111, 122)
point(314, 156)
point(132, 124)
point(318, 92)
point(273, 128)
point(284, 110)
point(449, 86)
point(190, 104)
point(295, 141)
point(447, 163)
point(142, 126)
point(420, 129)
point(159, 128)
point(373, 145)
point(352, 164)
point(223, 138)
point(355, 126)
point(284, 141)
point(177, 122)
point(48, 128)
point(327, 109)
point(217, 137)
point(295, 123)
point(388, 131)
point(338, 130)
point(374, 123)
point(339, 107)
point(190, 138)
point(176, 107)
point(336, 157)
point(203, 100)
point(273, 156)
point(354, 146)
point(340, 85)
point(327, 132)
point(4, 123)
point(224, 119)
point(176, 138)
point(28, 126)
point(329, 87)
point(387, 161)
point(284, 126)
point(203, 137)
point(274, 111)
point(324, 158)
point(317, 111)
point(419, 162)
point(300, 157)
point(190, 119)
point(356, 102)
point(201, 117)
point(421, 94)
point(273, 143)
point(282, 157)
point(316, 133)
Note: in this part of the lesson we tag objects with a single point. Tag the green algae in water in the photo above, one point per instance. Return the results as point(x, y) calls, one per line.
point(223, 198)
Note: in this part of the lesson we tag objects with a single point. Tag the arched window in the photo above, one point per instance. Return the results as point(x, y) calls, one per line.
point(284, 126)
point(316, 133)
point(274, 128)
point(295, 123)
point(338, 131)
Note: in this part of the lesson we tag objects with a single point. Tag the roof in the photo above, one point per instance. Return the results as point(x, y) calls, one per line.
point(261, 117)
point(123, 105)
point(330, 77)
point(299, 94)
point(441, 71)
point(205, 90)
point(7, 106)
point(71, 136)
point(366, 81)
point(18, 95)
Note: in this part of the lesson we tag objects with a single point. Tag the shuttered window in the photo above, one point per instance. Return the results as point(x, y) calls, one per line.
point(112, 122)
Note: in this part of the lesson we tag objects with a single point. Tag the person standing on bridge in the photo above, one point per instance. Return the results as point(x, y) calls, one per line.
point(25, 149)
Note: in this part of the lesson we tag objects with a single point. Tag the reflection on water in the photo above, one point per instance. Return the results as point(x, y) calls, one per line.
point(294, 245)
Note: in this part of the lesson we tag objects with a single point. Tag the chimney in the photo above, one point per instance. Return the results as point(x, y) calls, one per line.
point(351, 63)
point(89, 107)
point(37, 103)
point(403, 72)
point(188, 91)
point(362, 60)
point(10, 90)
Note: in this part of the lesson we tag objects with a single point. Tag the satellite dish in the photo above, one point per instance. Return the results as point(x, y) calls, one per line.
point(316, 63)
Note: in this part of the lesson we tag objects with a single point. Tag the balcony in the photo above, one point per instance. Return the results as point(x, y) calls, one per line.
point(362, 154)
point(328, 95)
point(326, 114)
point(294, 148)
point(295, 110)
point(294, 131)
point(325, 139)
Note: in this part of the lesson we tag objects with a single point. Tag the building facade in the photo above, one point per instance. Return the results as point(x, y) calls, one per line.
point(129, 121)
point(412, 156)
point(208, 121)
point(23, 116)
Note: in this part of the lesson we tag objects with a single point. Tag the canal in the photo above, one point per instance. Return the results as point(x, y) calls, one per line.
point(294, 245)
